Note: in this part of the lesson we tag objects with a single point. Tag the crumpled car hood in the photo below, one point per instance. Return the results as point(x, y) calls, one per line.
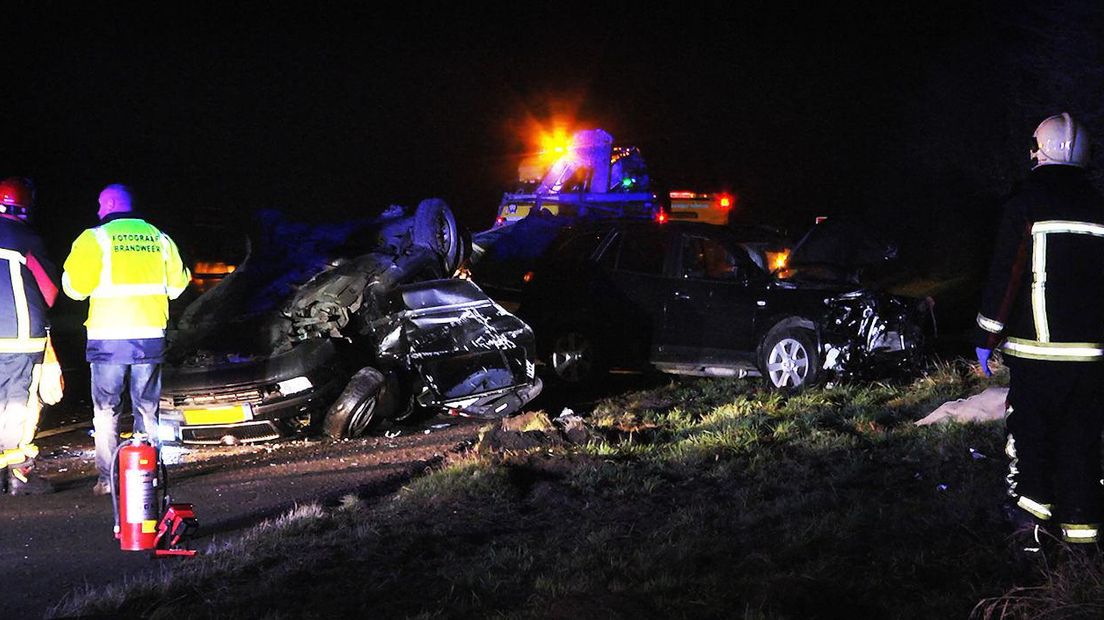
point(837, 251)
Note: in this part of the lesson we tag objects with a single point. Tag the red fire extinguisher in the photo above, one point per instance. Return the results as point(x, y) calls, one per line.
point(136, 494)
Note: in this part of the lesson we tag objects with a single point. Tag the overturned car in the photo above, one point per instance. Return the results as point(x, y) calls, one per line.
point(335, 327)
point(698, 299)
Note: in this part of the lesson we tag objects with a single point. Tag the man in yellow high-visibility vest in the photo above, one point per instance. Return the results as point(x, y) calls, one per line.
point(129, 270)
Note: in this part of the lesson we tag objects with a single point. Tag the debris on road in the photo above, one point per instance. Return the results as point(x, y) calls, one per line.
point(532, 430)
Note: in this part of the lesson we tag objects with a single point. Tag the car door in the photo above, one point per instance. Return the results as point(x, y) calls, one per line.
point(711, 309)
point(637, 263)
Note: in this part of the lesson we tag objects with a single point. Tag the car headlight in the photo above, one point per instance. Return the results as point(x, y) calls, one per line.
point(294, 386)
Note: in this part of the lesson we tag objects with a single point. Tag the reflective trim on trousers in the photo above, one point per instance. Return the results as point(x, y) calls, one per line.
point(1080, 532)
point(1013, 469)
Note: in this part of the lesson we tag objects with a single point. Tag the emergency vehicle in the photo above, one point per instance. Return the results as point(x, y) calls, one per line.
point(593, 177)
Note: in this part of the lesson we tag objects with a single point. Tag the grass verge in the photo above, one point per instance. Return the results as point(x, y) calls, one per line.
point(702, 498)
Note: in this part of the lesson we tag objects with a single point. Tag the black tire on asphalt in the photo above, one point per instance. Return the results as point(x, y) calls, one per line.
point(435, 228)
point(789, 358)
point(575, 356)
point(365, 401)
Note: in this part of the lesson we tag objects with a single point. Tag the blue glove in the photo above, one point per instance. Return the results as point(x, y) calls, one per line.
point(983, 360)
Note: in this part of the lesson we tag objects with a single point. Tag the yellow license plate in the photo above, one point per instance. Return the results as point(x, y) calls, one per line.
point(215, 415)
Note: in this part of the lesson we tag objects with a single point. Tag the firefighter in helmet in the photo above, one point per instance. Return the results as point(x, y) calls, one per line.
point(1043, 305)
point(128, 269)
point(29, 371)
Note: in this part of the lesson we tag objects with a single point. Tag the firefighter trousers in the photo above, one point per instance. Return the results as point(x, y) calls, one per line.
point(1055, 417)
point(19, 407)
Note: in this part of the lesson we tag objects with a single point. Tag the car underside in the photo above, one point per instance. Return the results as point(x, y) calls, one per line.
point(337, 327)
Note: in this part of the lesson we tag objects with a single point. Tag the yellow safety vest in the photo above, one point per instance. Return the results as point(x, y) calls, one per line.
point(128, 269)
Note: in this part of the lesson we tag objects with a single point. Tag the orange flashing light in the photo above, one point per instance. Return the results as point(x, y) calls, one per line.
point(528, 277)
point(777, 260)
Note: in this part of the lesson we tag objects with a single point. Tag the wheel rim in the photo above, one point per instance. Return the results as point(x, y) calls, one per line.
point(788, 363)
point(362, 417)
point(446, 239)
point(573, 357)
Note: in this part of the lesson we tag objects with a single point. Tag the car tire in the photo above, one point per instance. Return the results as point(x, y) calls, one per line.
point(789, 357)
point(365, 400)
point(575, 356)
point(435, 228)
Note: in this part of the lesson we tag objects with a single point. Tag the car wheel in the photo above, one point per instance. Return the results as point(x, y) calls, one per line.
point(435, 228)
point(364, 401)
point(789, 358)
point(575, 356)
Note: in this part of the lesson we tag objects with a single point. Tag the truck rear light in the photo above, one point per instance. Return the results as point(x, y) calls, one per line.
point(661, 217)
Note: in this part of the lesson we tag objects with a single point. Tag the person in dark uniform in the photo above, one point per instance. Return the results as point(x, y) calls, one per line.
point(29, 372)
point(1043, 305)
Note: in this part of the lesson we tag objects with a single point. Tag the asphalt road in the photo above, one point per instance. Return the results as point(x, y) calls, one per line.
point(52, 545)
point(56, 544)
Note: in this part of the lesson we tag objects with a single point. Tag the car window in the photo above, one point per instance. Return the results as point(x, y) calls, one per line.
point(708, 259)
point(579, 247)
point(642, 251)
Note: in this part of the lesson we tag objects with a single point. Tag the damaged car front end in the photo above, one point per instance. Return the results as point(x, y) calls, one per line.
point(868, 334)
point(318, 330)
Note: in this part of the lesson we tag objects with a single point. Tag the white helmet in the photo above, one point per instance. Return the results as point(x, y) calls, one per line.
point(1062, 141)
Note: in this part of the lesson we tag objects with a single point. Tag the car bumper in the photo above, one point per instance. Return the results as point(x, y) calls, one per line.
point(240, 422)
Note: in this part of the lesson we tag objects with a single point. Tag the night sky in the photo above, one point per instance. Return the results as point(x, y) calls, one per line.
point(902, 116)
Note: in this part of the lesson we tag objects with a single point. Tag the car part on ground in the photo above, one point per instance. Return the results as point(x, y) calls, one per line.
point(699, 299)
point(336, 327)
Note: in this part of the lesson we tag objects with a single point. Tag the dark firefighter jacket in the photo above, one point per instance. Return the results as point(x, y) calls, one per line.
point(27, 288)
point(1045, 294)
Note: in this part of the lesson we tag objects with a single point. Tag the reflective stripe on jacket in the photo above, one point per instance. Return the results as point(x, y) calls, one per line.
point(23, 319)
point(128, 269)
point(1045, 294)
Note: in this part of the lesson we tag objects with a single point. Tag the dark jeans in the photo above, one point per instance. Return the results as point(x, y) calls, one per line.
point(108, 382)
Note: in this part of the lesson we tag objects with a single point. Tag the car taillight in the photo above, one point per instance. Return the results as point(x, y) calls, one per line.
point(528, 277)
point(661, 217)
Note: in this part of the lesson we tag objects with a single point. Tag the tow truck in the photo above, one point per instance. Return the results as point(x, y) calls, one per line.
point(593, 177)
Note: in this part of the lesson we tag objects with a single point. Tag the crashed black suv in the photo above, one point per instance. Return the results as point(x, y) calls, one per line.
point(699, 299)
point(334, 327)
